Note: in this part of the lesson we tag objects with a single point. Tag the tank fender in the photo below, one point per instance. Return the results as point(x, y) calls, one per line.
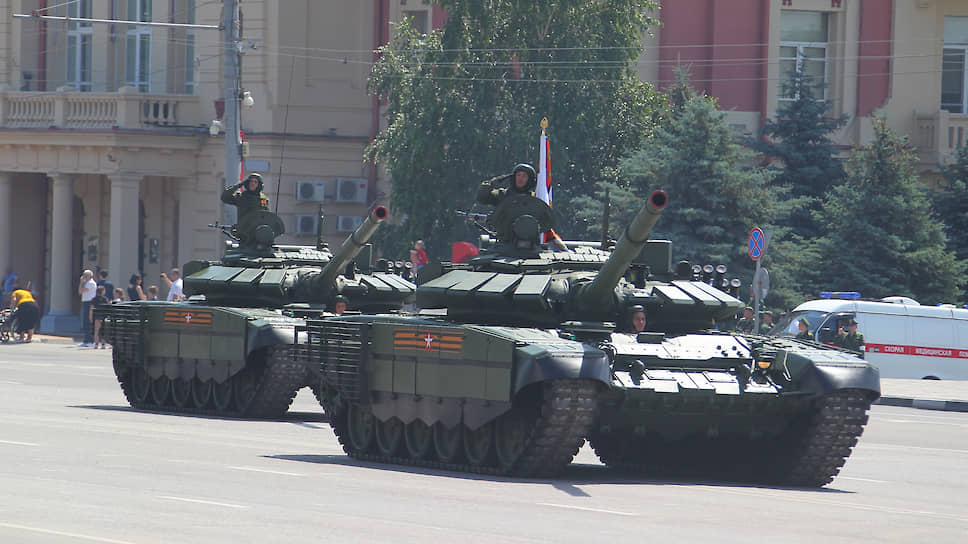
point(269, 335)
point(560, 360)
point(823, 371)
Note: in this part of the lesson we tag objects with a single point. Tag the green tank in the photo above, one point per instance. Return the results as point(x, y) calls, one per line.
point(522, 353)
point(228, 349)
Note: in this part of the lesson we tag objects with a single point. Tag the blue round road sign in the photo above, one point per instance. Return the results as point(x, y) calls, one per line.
point(757, 241)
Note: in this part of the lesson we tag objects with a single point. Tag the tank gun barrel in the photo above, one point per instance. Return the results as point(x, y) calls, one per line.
point(626, 250)
point(350, 248)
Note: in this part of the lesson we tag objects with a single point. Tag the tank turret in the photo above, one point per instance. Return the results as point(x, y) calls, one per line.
point(255, 272)
point(518, 281)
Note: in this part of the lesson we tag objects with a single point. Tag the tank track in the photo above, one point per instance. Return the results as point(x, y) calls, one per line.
point(274, 390)
point(810, 453)
point(566, 413)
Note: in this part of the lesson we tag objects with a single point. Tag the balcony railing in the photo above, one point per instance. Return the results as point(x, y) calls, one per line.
point(939, 135)
point(126, 109)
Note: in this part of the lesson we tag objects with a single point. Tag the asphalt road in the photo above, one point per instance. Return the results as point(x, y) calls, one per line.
point(78, 465)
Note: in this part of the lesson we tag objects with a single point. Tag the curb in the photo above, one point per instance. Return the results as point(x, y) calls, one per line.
point(924, 404)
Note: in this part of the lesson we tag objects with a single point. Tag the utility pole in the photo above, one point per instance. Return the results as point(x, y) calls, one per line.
point(233, 91)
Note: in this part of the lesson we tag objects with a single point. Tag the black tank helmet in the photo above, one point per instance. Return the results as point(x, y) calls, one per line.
point(256, 176)
point(532, 178)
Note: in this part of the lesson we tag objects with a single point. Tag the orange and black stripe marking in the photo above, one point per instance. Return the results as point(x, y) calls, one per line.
point(190, 318)
point(428, 340)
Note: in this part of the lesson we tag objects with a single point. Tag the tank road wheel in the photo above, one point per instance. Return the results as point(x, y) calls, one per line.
point(479, 445)
point(447, 443)
point(389, 436)
point(222, 396)
point(201, 393)
point(361, 426)
point(181, 393)
point(512, 433)
point(246, 385)
point(160, 388)
point(419, 439)
point(140, 385)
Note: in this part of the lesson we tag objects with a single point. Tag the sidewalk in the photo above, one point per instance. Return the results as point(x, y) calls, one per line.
point(947, 395)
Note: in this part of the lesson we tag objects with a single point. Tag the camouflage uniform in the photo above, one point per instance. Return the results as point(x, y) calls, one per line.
point(744, 325)
point(805, 335)
point(850, 340)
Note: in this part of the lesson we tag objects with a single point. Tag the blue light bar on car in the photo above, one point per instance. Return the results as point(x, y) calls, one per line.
point(840, 294)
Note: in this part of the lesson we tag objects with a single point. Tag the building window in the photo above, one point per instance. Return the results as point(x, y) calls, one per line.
point(803, 48)
point(954, 76)
point(138, 46)
point(420, 19)
point(79, 47)
point(190, 48)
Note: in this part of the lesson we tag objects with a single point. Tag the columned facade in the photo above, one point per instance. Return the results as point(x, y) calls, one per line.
point(123, 245)
point(63, 280)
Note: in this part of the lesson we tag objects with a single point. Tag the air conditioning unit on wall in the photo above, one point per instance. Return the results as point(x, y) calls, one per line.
point(306, 223)
point(351, 189)
point(310, 191)
point(348, 223)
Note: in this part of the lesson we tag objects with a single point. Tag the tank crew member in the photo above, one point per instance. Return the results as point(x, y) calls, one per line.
point(524, 180)
point(637, 318)
point(804, 327)
point(745, 324)
point(849, 338)
point(339, 304)
point(247, 196)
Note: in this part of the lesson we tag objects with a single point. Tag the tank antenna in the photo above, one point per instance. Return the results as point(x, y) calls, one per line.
point(282, 152)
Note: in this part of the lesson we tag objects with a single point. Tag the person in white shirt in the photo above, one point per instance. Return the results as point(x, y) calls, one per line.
point(87, 288)
point(174, 282)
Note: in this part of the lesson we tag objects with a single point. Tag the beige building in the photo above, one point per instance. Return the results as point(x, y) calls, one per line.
point(107, 161)
point(905, 58)
point(106, 156)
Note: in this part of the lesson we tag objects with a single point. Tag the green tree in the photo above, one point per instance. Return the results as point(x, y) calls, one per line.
point(716, 194)
point(806, 159)
point(882, 238)
point(464, 103)
point(951, 204)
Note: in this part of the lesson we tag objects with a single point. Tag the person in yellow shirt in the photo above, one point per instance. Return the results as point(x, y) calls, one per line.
point(27, 314)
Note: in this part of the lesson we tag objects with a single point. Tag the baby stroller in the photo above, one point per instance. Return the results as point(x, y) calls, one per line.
point(6, 324)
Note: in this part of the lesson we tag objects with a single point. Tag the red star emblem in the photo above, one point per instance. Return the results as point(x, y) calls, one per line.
point(429, 339)
point(188, 318)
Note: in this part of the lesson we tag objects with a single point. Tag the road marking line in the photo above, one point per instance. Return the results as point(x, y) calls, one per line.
point(62, 533)
point(7, 382)
point(253, 469)
point(11, 442)
point(863, 480)
point(200, 501)
point(919, 448)
point(570, 507)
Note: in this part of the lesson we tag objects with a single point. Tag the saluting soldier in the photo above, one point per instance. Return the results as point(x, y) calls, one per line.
point(849, 338)
point(247, 196)
point(804, 327)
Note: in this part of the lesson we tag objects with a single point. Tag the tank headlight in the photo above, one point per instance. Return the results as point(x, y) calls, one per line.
point(763, 365)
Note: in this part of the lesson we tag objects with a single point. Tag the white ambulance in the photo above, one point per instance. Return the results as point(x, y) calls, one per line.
point(902, 338)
